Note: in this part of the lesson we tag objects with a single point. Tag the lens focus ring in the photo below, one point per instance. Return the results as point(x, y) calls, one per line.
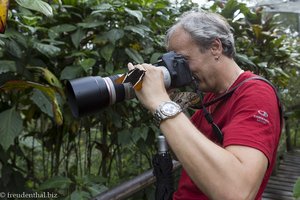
point(111, 90)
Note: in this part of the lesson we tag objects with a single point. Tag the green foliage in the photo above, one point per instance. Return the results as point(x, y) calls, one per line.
point(45, 45)
point(260, 46)
point(10, 127)
point(43, 148)
point(296, 189)
point(55, 182)
point(37, 5)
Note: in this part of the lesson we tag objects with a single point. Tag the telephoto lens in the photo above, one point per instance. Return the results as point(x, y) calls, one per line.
point(88, 95)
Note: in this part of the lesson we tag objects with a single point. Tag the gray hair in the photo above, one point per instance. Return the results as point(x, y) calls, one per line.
point(204, 27)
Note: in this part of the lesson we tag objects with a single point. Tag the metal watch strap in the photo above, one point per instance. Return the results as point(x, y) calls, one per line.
point(159, 116)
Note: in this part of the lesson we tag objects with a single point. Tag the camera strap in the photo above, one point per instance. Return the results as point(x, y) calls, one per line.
point(226, 95)
point(134, 77)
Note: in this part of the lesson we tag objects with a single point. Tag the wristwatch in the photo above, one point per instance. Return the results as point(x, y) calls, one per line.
point(166, 110)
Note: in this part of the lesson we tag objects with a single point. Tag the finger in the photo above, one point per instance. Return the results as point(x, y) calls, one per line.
point(150, 67)
point(130, 66)
point(147, 66)
point(140, 67)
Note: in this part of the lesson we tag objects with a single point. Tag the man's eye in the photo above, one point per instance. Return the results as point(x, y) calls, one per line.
point(186, 58)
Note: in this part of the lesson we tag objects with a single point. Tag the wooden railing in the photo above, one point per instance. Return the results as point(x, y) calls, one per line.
point(128, 188)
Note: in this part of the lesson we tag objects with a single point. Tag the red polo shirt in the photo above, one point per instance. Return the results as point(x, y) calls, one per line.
point(250, 117)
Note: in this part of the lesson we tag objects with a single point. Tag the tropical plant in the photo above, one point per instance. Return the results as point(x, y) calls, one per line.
point(43, 147)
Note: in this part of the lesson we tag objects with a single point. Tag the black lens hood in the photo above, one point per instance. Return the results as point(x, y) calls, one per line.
point(87, 95)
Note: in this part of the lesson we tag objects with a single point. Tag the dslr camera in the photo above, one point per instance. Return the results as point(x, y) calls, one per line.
point(90, 94)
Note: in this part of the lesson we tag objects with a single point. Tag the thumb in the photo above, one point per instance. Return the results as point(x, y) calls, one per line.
point(130, 66)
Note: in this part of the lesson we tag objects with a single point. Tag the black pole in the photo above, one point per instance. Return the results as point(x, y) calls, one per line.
point(162, 170)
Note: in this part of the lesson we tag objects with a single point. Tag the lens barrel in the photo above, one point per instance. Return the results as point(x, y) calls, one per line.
point(88, 95)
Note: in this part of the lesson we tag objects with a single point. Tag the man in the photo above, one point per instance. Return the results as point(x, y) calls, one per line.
point(239, 166)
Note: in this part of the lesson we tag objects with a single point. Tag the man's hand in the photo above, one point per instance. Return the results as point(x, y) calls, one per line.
point(153, 91)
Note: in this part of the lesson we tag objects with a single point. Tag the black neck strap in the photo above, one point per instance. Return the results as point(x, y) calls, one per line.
point(230, 91)
point(226, 95)
point(210, 120)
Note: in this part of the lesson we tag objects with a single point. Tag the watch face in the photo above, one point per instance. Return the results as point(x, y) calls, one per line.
point(169, 109)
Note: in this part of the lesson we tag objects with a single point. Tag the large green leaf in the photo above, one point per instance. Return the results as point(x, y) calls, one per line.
point(139, 29)
point(42, 102)
point(244, 60)
point(70, 72)
point(136, 13)
point(91, 24)
point(77, 37)
point(63, 28)
point(133, 54)
point(230, 7)
point(49, 91)
point(55, 182)
point(103, 7)
point(13, 48)
point(87, 63)
point(47, 75)
point(47, 49)
point(37, 5)
point(10, 127)
point(107, 51)
point(55, 32)
point(100, 39)
point(155, 57)
point(7, 66)
point(109, 67)
point(114, 35)
point(18, 37)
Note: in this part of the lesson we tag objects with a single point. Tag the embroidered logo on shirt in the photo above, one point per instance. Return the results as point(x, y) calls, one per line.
point(263, 113)
point(261, 117)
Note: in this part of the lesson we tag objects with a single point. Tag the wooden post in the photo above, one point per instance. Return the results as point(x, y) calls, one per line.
point(288, 134)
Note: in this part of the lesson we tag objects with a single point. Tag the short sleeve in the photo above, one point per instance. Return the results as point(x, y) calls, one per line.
point(254, 118)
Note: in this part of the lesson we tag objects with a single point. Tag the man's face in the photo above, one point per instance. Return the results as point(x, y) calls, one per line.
point(200, 63)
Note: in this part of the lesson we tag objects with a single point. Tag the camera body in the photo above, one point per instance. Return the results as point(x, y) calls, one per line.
point(90, 94)
point(178, 69)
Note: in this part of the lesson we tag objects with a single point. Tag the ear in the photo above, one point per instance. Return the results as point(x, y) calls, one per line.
point(216, 48)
